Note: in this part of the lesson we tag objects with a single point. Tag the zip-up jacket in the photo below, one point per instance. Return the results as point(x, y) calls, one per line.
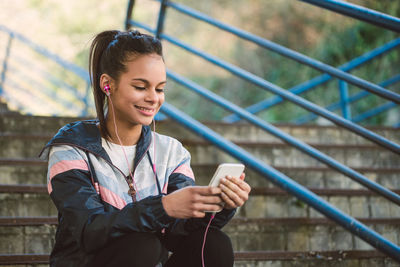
point(91, 193)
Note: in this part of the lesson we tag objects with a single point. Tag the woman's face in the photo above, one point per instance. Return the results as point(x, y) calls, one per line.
point(139, 92)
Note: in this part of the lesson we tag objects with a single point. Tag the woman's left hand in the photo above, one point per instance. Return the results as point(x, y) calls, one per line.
point(235, 191)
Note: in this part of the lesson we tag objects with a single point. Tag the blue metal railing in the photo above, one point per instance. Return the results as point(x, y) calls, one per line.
point(276, 177)
point(359, 12)
point(352, 99)
point(321, 79)
point(280, 91)
point(49, 77)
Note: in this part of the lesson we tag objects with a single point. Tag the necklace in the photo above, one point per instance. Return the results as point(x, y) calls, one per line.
point(131, 191)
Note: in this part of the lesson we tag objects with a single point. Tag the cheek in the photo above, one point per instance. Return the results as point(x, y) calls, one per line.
point(161, 99)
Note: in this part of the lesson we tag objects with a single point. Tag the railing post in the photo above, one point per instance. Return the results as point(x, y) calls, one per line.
point(129, 11)
point(161, 18)
point(344, 99)
point(6, 56)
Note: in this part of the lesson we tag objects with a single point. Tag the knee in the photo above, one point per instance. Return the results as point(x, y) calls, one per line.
point(144, 242)
point(141, 249)
point(218, 249)
point(218, 239)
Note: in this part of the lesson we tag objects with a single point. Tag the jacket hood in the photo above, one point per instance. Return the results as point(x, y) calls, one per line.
point(86, 135)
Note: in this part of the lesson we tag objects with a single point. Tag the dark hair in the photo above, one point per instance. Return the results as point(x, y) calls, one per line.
point(109, 53)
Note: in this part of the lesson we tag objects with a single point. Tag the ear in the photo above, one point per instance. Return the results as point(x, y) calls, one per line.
point(106, 79)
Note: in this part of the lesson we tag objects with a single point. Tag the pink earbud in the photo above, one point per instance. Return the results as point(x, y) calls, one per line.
point(107, 89)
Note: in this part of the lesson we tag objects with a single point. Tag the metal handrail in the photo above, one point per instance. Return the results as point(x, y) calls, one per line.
point(307, 117)
point(359, 12)
point(319, 80)
point(81, 73)
point(372, 112)
point(283, 93)
point(309, 150)
point(284, 182)
point(373, 88)
point(41, 50)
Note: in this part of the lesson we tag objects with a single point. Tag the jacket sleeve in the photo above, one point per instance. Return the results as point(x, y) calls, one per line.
point(71, 189)
point(183, 176)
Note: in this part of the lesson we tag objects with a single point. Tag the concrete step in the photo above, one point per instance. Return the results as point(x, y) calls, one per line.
point(23, 235)
point(15, 123)
point(33, 171)
point(33, 200)
point(26, 201)
point(355, 202)
point(202, 152)
point(348, 258)
point(303, 234)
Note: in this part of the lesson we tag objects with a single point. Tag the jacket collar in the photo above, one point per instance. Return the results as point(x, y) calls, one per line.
point(86, 135)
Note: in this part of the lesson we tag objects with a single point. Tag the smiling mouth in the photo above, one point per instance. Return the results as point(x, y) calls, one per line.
point(147, 110)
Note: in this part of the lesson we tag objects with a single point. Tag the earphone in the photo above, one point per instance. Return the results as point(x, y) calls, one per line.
point(107, 89)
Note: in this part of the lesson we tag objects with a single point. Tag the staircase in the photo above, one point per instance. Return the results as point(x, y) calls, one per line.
point(272, 229)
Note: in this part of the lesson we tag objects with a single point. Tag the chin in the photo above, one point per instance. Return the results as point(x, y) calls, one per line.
point(146, 121)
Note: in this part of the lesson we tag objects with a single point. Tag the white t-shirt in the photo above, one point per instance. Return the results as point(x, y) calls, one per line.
point(117, 155)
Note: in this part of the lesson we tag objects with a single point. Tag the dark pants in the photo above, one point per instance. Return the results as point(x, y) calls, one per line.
point(146, 250)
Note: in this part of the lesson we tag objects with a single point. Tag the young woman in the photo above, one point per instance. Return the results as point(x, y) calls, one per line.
point(126, 195)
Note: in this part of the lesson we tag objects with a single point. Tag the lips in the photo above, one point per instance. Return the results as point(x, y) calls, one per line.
point(145, 111)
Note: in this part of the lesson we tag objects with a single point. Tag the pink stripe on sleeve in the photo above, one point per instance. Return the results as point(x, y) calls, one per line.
point(66, 165)
point(185, 170)
point(111, 198)
point(63, 166)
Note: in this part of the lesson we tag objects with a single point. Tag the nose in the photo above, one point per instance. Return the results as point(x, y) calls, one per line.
point(151, 96)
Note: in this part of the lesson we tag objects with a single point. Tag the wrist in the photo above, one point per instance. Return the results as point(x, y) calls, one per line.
point(164, 201)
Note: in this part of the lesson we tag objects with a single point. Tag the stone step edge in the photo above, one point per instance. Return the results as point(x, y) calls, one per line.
point(17, 115)
point(257, 191)
point(184, 141)
point(52, 220)
point(37, 161)
point(239, 256)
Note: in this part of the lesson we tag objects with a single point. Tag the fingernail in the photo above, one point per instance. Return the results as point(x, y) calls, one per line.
point(223, 180)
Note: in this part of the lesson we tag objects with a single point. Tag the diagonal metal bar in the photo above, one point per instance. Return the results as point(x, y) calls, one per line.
point(359, 12)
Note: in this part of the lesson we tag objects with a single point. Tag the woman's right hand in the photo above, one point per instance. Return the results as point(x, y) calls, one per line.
point(192, 202)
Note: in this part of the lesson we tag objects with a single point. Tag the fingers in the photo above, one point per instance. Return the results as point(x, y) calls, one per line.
point(235, 191)
point(206, 190)
point(236, 184)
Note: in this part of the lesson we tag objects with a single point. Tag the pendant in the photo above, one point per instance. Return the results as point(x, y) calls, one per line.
point(132, 191)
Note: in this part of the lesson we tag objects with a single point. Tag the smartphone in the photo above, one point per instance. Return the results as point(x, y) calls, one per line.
point(226, 169)
point(223, 170)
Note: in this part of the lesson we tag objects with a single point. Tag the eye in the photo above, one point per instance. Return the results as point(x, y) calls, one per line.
point(160, 90)
point(140, 88)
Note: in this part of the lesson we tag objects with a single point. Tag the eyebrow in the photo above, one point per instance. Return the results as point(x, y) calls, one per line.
point(147, 82)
